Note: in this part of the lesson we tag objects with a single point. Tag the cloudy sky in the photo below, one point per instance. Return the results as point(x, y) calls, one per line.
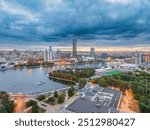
point(99, 23)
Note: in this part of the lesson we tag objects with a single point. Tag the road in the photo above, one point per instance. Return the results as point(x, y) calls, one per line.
point(20, 105)
point(128, 103)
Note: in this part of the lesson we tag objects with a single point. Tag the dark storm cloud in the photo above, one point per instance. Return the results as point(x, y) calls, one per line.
point(115, 22)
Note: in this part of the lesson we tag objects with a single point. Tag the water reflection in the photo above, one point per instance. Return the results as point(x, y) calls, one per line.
point(30, 72)
point(26, 80)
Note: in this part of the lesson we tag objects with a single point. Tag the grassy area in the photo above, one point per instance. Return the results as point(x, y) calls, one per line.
point(113, 72)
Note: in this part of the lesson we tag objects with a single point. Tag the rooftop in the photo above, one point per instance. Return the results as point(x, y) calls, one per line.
point(96, 100)
point(83, 105)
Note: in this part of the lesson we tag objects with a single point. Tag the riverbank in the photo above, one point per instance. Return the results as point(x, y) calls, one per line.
point(21, 100)
point(22, 66)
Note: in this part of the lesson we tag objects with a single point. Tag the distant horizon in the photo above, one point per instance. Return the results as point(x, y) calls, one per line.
point(80, 48)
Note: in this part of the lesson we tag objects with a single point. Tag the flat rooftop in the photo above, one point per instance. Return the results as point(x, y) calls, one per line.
point(96, 100)
point(83, 105)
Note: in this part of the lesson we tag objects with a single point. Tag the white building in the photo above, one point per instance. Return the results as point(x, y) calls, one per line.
point(2, 60)
point(114, 64)
point(48, 55)
point(129, 66)
point(87, 58)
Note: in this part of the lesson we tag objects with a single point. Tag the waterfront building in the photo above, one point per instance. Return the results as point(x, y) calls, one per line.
point(74, 51)
point(50, 54)
point(46, 55)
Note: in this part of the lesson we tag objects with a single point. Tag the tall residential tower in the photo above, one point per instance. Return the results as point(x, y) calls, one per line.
point(74, 51)
point(48, 55)
point(92, 53)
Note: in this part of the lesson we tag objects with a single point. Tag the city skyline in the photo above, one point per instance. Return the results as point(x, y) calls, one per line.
point(104, 24)
point(80, 48)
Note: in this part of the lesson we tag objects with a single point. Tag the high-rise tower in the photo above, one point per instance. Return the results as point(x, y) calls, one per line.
point(46, 55)
point(50, 54)
point(74, 51)
point(92, 53)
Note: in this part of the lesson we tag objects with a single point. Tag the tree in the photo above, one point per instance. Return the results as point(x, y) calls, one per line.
point(41, 97)
point(55, 94)
point(6, 105)
point(71, 91)
point(61, 98)
point(144, 108)
point(140, 90)
point(30, 103)
point(51, 100)
point(2, 109)
point(123, 86)
point(82, 82)
point(9, 106)
point(102, 83)
point(35, 108)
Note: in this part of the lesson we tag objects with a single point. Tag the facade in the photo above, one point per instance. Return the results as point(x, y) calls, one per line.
point(92, 53)
point(48, 55)
point(104, 56)
point(145, 58)
point(142, 58)
point(74, 51)
point(129, 60)
point(128, 66)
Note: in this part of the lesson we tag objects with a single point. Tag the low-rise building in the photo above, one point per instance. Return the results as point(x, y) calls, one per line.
point(95, 100)
point(129, 66)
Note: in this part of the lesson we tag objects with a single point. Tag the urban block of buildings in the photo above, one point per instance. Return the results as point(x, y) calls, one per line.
point(95, 100)
point(125, 60)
